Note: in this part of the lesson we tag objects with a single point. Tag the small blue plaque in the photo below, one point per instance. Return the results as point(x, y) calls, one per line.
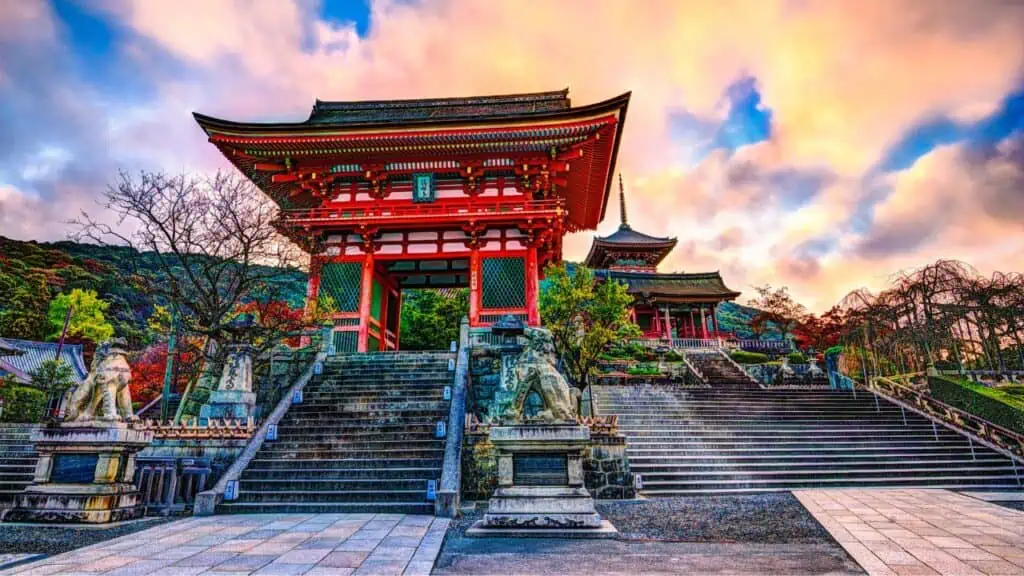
point(231, 490)
point(318, 368)
point(431, 490)
point(638, 482)
point(297, 397)
point(440, 431)
point(272, 432)
point(74, 468)
point(423, 187)
point(447, 392)
point(451, 364)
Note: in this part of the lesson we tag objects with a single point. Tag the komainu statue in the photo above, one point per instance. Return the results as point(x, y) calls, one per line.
point(535, 370)
point(104, 395)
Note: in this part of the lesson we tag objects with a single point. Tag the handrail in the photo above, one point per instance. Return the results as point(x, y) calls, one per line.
point(447, 500)
point(150, 405)
point(206, 501)
point(1003, 440)
point(418, 211)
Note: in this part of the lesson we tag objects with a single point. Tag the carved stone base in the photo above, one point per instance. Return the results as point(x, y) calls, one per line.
point(83, 503)
point(480, 529)
point(541, 491)
point(84, 474)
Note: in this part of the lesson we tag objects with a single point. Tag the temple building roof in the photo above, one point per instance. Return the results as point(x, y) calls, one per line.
point(23, 357)
point(653, 286)
point(628, 248)
point(540, 137)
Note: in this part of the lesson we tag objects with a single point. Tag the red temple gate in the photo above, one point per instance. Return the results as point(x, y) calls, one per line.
point(439, 193)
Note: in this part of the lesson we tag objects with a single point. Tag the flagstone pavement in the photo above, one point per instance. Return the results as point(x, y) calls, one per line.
point(917, 532)
point(275, 544)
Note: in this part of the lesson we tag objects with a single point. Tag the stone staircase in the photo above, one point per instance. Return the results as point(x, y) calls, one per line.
point(752, 440)
point(719, 371)
point(362, 440)
point(17, 460)
point(152, 412)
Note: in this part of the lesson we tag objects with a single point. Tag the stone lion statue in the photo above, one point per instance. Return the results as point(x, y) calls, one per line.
point(535, 370)
point(104, 395)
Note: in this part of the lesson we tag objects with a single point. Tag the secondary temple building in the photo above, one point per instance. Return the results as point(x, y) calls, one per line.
point(665, 305)
point(447, 192)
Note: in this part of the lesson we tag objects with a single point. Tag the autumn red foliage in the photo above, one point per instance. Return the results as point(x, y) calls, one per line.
point(148, 368)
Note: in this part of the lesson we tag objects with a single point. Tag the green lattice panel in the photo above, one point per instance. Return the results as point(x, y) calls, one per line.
point(346, 341)
point(503, 283)
point(377, 295)
point(341, 281)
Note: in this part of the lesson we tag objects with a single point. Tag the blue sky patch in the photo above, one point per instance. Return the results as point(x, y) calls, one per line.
point(925, 136)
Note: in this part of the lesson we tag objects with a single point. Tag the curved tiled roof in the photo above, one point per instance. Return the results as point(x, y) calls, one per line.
point(626, 235)
point(704, 285)
point(30, 355)
point(475, 107)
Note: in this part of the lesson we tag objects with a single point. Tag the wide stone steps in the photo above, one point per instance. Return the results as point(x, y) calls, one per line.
point(742, 439)
point(313, 464)
point(17, 460)
point(272, 507)
point(362, 440)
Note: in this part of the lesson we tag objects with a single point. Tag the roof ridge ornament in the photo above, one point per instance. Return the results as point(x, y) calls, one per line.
point(622, 204)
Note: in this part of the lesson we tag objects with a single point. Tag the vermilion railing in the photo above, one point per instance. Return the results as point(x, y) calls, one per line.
point(412, 212)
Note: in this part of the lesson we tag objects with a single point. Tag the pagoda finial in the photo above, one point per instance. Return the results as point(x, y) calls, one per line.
point(622, 202)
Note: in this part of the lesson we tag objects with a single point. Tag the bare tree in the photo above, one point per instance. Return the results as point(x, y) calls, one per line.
point(210, 239)
point(941, 314)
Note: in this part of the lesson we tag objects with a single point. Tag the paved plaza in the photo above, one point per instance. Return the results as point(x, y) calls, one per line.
point(919, 532)
point(899, 532)
point(272, 544)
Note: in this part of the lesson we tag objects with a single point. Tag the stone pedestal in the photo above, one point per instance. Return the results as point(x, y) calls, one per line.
point(233, 397)
point(540, 491)
point(84, 474)
point(227, 404)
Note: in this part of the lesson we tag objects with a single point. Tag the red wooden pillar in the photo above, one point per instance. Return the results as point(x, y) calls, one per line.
point(703, 323)
point(474, 286)
point(532, 287)
point(714, 318)
point(365, 299)
point(398, 319)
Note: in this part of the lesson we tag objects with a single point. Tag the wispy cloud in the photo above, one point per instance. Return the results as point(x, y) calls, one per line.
point(820, 144)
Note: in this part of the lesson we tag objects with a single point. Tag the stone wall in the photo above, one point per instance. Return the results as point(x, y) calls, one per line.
point(606, 469)
point(484, 381)
point(479, 467)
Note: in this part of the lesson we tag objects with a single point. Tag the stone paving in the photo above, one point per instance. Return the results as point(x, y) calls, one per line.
point(274, 544)
point(918, 532)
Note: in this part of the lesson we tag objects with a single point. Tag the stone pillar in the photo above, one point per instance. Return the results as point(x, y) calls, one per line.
point(233, 397)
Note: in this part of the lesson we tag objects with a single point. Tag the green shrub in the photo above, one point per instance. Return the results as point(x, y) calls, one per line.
point(744, 357)
point(797, 358)
point(643, 370)
point(673, 356)
point(22, 403)
point(996, 405)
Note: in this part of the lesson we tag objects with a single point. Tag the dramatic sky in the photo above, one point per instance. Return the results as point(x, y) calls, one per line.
point(819, 145)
